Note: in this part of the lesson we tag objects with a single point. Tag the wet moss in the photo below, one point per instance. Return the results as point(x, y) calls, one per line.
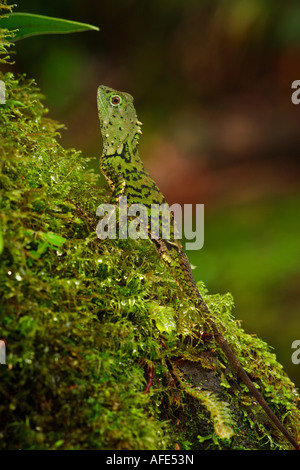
point(88, 324)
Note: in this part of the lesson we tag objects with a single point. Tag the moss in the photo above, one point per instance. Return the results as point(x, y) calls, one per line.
point(88, 323)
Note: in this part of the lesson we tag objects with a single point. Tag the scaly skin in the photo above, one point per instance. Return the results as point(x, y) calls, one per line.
point(123, 169)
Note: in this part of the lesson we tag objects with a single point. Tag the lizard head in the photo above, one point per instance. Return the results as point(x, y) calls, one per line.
point(118, 119)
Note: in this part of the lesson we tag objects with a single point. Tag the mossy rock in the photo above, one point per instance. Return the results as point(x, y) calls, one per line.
point(103, 351)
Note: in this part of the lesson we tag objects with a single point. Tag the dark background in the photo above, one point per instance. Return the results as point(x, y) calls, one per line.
point(212, 85)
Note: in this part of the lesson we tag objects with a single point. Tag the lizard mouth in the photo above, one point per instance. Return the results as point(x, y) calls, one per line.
point(101, 108)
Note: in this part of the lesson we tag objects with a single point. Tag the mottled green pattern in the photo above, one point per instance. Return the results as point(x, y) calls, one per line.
point(121, 165)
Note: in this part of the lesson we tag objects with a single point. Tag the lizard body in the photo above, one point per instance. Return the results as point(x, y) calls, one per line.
point(126, 175)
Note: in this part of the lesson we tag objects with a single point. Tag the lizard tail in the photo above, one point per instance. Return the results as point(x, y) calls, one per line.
point(244, 376)
point(173, 255)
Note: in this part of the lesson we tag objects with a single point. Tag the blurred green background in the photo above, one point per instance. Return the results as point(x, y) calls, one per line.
point(212, 85)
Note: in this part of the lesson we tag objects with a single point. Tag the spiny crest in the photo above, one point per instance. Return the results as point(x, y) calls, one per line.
point(118, 119)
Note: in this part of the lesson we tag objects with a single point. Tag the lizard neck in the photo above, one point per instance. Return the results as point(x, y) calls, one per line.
point(123, 160)
point(115, 140)
point(126, 151)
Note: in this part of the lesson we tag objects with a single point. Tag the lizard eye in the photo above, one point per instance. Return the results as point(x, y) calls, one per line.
point(115, 100)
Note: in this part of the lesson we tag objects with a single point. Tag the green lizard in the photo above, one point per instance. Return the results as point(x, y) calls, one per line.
point(122, 167)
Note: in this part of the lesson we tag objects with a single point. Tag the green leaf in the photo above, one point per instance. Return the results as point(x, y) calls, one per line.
point(54, 239)
point(163, 317)
point(59, 443)
point(27, 24)
point(13, 103)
